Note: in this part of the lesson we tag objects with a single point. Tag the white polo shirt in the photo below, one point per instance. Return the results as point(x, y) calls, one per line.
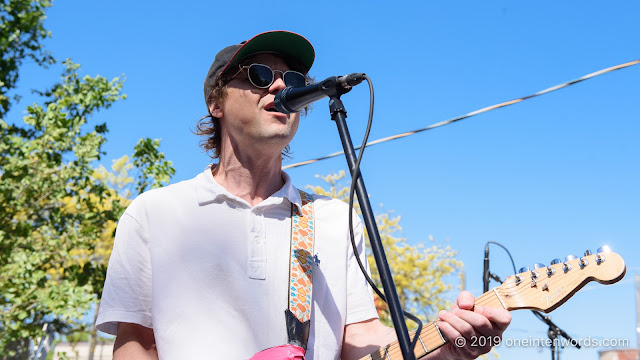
point(209, 272)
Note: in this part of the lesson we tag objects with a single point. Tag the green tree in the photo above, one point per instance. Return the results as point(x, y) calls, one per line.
point(57, 210)
point(21, 33)
point(120, 180)
point(58, 215)
point(43, 164)
point(422, 274)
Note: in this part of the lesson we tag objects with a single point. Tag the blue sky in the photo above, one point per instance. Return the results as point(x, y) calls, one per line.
point(551, 176)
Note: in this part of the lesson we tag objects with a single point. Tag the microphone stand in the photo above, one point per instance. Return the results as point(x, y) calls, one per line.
point(339, 114)
point(553, 331)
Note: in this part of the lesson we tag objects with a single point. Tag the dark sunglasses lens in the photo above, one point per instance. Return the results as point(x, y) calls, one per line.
point(260, 75)
point(294, 78)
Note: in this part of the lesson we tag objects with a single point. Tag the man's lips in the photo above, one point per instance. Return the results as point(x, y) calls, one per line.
point(271, 108)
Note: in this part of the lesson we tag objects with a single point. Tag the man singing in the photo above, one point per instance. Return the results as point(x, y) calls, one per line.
point(207, 268)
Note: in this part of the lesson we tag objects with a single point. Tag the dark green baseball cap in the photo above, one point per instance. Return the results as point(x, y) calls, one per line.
point(289, 45)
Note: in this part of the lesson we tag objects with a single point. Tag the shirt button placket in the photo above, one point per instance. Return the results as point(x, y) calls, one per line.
point(258, 253)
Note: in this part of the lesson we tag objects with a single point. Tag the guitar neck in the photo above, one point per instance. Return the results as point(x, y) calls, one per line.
point(430, 336)
point(542, 289)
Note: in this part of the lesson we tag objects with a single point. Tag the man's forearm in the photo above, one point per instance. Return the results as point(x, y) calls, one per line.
point(134, 342)
point(133, 350)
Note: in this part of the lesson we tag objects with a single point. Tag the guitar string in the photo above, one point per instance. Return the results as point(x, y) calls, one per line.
point(432, 329)
point(482, 300)
point(550, 281)
point(393, 349)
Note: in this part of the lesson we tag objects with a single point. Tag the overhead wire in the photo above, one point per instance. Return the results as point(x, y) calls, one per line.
point(356, 171)
point(473, 113)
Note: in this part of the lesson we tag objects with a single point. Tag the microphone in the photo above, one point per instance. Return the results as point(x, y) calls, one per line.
point(485, 273)
point(294, 99)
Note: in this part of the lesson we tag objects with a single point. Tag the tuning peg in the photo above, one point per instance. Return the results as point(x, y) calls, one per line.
point(587, 252)
point(566, 266)
point(600, 257)
point(583, 262)
point(555, 261)
point(536, 266)
point(524, 269)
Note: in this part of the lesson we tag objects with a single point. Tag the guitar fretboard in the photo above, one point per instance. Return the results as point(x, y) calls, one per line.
point(430, 336)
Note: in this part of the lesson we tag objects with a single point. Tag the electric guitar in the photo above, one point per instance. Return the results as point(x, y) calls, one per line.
point(544, 289)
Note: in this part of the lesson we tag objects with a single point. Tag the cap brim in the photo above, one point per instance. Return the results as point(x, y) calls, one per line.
point(287, 44)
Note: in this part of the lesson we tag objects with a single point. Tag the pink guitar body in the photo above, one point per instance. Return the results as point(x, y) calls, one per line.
point(282, 352)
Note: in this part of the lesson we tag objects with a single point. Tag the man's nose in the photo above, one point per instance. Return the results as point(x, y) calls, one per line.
point(278, 84)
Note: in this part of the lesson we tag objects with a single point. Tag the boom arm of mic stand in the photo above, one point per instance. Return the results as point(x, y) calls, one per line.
point(339, 114)
point(553, 327)
point(495, 277)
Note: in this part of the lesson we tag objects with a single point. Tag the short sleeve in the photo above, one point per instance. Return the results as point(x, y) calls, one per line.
point(127, 289)
point(360, 305)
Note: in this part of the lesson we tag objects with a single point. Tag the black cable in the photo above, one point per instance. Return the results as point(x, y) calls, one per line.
point(355, 173)
point(537, 314)
point(507, 250)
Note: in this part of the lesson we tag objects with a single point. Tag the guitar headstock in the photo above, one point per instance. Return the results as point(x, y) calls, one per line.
point(544, 288)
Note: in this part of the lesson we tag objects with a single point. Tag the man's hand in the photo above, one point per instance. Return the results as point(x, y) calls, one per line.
point(471, 331)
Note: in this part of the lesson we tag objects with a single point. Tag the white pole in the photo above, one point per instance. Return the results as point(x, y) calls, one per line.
point(638, 314)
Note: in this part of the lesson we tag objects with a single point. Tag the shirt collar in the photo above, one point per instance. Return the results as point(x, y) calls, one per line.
point(209, 191)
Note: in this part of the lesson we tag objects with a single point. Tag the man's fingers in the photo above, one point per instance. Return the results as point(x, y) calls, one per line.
point(448, 331)
point(461, 327)
point(486, 320)
point(464, 341)
point(479, 323)
point(464, 301)
point(472, 330)
point(499, 317)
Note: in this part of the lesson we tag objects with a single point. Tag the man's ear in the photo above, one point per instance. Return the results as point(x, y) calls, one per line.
point(216, 110)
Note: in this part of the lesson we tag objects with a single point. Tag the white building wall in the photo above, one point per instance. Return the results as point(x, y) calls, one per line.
point(80, 351)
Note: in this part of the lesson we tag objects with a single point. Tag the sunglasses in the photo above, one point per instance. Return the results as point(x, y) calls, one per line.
point(262, 76)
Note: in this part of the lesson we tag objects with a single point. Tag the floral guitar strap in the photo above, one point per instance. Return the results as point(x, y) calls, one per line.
point(298, 314)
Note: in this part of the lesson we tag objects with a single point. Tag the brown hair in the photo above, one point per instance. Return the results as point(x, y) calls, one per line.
point(209, 125)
